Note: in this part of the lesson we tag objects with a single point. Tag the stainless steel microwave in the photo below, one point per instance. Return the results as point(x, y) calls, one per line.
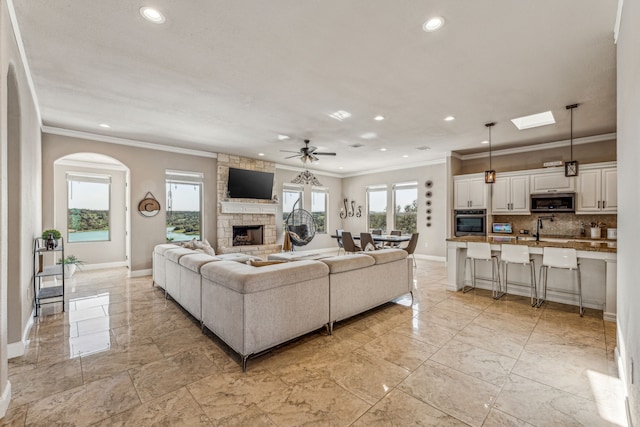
point(470, 222)
point(553, 202)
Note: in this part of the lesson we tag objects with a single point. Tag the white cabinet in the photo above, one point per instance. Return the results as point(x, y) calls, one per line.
point(511, 195)
point(597, 190)
point(549, 182)
point(470, 192)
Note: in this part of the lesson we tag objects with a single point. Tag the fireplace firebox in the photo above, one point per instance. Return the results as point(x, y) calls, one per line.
point(244, 235)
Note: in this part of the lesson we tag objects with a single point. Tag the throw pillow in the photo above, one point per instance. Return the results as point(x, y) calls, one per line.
point(191, 244)
point(264, 263)
point(369, 247)
point(205, 247)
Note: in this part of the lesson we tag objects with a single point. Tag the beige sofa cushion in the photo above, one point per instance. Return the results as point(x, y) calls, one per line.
point(339, 264)
point(246, 279)
point(195, 261)
point(388, 255)
point(161, 249)
point(175, 254)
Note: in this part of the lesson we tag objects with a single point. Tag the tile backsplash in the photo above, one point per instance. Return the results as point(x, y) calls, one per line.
point(564, 224)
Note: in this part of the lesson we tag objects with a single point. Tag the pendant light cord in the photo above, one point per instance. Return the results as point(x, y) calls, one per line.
point(571, 107)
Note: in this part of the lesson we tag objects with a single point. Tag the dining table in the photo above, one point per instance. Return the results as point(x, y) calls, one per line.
point(382, 238)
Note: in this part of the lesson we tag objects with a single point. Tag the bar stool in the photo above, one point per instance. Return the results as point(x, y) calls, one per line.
point(518, 254)
point(563, 258)
point(482, 251)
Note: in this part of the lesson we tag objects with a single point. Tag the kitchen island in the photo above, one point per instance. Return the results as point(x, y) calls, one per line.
point(597, 262)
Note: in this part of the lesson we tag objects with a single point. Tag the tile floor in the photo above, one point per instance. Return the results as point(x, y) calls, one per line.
point(123, 355)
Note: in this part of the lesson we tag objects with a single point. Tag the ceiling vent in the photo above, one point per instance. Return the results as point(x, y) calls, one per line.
point(423, 148)
point(356, 145)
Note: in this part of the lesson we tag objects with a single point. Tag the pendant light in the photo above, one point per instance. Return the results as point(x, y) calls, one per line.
point(571, 167)
point(490, 175)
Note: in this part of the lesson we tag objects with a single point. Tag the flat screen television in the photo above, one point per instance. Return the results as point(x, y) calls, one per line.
point(248, 184)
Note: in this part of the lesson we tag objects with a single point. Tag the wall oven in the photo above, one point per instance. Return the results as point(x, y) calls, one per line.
point(470, 222)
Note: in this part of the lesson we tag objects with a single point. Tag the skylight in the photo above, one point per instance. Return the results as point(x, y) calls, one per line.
point(340, 115)
point(534, 120)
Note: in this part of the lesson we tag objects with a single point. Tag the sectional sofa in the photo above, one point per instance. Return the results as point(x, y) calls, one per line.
point(253, 309)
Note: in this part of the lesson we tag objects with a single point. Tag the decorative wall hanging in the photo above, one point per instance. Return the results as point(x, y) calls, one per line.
point(306, 177)
point(353, 207)
point(149, 206)
point(571, 167)
point(428, 194)
point(349, 209)
point(359, 212)
point(343, 211)
point(428, 184)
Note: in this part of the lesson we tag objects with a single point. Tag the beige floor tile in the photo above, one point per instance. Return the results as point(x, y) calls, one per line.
point(400, 349)
point(163, 376)
point(185, 338)
point(497, 418)
point(35, 384)
point(113, 361)
point(453, 392)
point(546, 405)
point(14, 417)
point(400, 409)
point(496, 340)
point(86, 404)
point(177, 408)
point(426, 331)
point(475, 361)
point(443, 317)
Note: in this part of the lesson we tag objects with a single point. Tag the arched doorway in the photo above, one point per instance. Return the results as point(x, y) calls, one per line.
point(89, 186)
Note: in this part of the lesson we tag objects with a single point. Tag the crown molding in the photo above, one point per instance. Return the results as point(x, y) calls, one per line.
point(538, 147)
point(127, 142)
point(23, 58)
point(397, 167)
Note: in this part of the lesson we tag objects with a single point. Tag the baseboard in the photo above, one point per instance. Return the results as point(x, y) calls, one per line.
point(622, 374)
point(101, 266)
point(16, 349)
point(609, 317)
point(5, 399)
point(140, 273)
point(431, 257)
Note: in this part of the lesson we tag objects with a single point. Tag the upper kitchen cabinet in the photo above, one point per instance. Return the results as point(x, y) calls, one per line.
point(552, 181)
point(597, 189)
point(510, 195)
point(470, 192)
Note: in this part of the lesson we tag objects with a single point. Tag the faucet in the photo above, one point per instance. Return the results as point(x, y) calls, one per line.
point(539, 225)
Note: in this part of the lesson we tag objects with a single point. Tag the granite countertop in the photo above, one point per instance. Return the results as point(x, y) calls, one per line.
point(601, 245)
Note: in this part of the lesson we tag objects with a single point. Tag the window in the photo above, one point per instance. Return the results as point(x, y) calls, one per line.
point(290, 195)
point(377, 207)
point(184, 206)
point(319, 198)
point(88, 200)
point(405, 200)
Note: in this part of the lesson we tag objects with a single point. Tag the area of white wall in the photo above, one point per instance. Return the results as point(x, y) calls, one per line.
point(147, 173)
point(628, 318)
point(334, 185)
point(112, 251)
point(30, 191)
point(432, 240)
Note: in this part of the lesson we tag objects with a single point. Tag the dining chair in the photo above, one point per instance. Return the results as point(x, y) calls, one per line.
point(394, 233)
point(376, 231)
point(366, 242)
point(348, 244)
point(339, 240)
point(411, 247)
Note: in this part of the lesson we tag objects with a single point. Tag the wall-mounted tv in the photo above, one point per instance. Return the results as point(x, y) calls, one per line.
point(248, 184)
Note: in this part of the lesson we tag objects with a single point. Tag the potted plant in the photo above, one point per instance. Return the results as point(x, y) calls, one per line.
point(53, 234)
point(71, 263)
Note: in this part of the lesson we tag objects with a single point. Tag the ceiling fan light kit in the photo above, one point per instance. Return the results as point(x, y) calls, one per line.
point(307, 153)
point(571, 167)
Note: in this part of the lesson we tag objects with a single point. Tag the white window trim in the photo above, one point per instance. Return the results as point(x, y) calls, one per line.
point(186, 177)
point(325, 191)
point(91, 178)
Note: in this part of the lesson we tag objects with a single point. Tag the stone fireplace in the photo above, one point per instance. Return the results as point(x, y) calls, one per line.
point(234, 215)
point(244, 235)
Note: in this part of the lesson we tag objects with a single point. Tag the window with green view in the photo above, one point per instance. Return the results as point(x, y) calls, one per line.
point(184, 206)
point(319, 198)
point(405, 197)
point(377, 207)
point(88, 200)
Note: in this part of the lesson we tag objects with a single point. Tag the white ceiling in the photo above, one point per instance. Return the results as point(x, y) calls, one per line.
point(229, 76)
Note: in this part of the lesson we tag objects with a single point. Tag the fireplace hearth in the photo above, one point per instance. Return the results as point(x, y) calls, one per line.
point(245, 235)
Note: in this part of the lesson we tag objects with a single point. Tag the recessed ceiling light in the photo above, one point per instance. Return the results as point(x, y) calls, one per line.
point(378, 118)
point(383, 149)
point(534, 120)
point(282, 137)
point(104, 125)
point(260, 154)
point(484, 142)
point(449, 119)
point(152, 15)
point(340, 168)
point(369, 135)
point(340, 115)
point(433, 24)
point(405, 156)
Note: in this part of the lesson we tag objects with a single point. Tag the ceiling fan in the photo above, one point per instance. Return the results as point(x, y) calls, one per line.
point(307, 153)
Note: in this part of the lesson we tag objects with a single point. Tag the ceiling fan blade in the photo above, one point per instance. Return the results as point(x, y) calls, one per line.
point(314, 158)
point(291, 157)
point(289, 151)
point(310, 149)
point(324, 154)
